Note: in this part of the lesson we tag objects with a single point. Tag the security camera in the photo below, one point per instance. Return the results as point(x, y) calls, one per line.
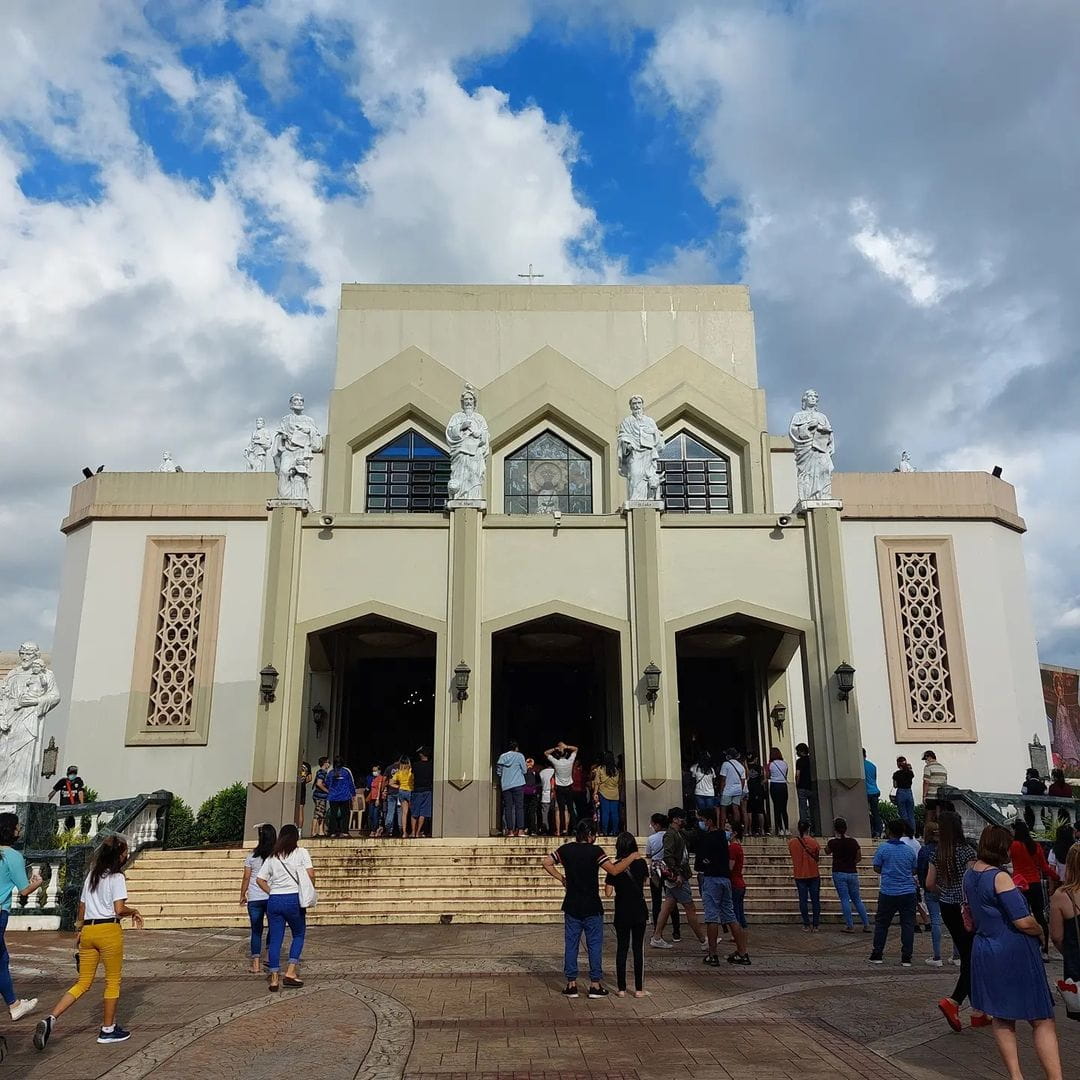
point(327, 519)
point(783, 520)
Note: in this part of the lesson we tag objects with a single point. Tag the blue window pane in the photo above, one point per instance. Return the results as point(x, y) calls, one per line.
point(413, 470)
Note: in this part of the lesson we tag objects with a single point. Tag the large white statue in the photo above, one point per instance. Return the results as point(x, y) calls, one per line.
point(812, 435)
point(639, 446)
point(469, 441)
point(295, 444)
point(905, 463)
point(167, 463)
point(26, 695)
point(258, 446)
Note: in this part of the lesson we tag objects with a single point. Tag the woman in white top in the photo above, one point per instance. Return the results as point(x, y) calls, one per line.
point(704, 781)
point(279, 878)
point(778, 791)
point(252, 895)
point(562, 757)
point(100, 940)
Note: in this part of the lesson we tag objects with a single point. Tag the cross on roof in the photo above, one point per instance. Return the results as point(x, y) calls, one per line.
point(530, 275)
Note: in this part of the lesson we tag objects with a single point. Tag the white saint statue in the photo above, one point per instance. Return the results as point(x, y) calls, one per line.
point(258, 446)
point(469, 441)
point(812, 435)
point(905, 462)
point(639, 446)
point(294, 446)
point(26, 695)
point(167, 463)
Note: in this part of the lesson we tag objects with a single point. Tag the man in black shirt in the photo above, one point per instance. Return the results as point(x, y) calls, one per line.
point(583, 912)
point(713, 864)
point(423, 782)
point(72, 792)
point(804, 786)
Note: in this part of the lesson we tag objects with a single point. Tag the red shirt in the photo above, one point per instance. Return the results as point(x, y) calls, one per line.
point(736, 858)
point(1028, 867)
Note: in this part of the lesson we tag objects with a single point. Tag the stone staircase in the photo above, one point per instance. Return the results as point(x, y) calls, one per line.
point(487, 880)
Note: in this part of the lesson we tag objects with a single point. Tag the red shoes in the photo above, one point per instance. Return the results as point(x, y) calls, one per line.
point(981, 1021)
point(951, 1011)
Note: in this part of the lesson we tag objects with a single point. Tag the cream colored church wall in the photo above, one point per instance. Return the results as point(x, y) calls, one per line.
point(1000, 645)
point(482, 331)
point(785, 491)
point(96, 643)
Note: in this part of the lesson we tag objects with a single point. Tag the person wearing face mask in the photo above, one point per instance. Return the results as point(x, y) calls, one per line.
point(72, 792)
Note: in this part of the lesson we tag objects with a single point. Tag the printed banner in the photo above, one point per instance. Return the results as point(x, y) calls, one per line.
point(1061, 695)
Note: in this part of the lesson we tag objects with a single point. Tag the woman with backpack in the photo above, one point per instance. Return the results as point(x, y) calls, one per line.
point(100, 940)
point(252, 895)
point(280, 878)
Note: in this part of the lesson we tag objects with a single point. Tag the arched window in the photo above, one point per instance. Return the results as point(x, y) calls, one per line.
point(407, 476)
point(697, 479)
point(547, 474)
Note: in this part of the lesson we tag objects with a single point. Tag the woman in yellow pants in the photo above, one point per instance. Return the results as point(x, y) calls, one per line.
point(100, 939)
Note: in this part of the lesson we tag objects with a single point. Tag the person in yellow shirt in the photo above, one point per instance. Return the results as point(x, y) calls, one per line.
point(604, 784)
point(402, 782)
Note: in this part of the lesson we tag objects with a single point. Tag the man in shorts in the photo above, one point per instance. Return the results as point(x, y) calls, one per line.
point(562, 758)
point(715, 869)
point(732, 788)
point(676, 859)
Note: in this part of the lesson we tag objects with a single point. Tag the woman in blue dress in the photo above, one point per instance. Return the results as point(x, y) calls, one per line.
point(1008, 981)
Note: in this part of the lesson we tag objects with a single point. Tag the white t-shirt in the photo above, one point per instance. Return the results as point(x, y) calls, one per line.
point(911, 843)
point(276, 872)
point(545, 783)
point(703, 781)
point(100, 902)
point(734, 778)
point(564, 769)
point(778, 772)
point(254, 864)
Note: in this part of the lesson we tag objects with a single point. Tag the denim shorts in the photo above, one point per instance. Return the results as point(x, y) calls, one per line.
point(730, 799)
point(681, 893)
point(716, 896)
point(421, 804)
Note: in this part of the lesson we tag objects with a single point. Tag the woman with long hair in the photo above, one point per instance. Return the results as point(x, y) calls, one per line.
point(945, 878)
point(704, 775)
point(279, 878)
point(1030, 867)
point(252, 895)
point(1008, 981)
point(604, 781)
point(805, 854)
point(846, 853)
point(1065, 920)
point(778, 790)
point(100, 940)
point(1064, 839)
point(12, 877)
point(631, 913)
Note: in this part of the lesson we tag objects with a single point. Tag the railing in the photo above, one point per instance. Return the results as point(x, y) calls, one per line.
point(141, 820)
point(980, 808)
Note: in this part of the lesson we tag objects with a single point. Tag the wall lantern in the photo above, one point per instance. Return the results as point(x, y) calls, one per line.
point(845, 680)
point(49, 757)
point(268, 678)
point(318, 714)
point(461, 681)
point(778, 715)
point(652, 684)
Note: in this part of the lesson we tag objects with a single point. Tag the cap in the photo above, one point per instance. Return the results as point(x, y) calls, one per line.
point(928, 753)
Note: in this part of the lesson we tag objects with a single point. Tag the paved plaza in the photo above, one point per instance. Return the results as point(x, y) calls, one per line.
point(484, 1003)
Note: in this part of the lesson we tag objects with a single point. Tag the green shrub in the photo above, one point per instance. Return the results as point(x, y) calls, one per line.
point(91, 795)
point(181, 830)
point(221, 817)
point(888, 812)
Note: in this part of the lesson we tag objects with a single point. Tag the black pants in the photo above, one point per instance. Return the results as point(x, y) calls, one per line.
point(532, 814)
point(888, 908)
point(624, 936)
point(657, 891)
point(338, 819)
point(778, 794)
point(963, 939)
point(1036, 898)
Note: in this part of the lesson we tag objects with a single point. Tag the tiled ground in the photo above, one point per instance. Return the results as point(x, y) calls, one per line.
point(465, 1003)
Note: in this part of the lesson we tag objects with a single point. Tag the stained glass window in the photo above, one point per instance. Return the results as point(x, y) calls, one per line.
point(407, 476)
point(547, 474)
point(697, 479)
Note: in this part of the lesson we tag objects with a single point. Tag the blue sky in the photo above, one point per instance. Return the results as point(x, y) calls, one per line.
point(185, 184)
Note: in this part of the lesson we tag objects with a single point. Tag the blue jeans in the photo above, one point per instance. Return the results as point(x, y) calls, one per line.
point(281, 909)
point(933, 905)
point(738, 900)
point(809, 897)
point(513, 808)
point(391, 811)
point(257, 913)
point(592, 926)
point(905, 805)
point(373, 816)
point(609, 816)
point(7, 988)
point(847, 888)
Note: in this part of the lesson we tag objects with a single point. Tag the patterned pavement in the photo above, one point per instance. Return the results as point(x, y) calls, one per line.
point(483, 1003)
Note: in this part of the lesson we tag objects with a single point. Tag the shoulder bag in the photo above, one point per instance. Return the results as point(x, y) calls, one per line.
point(1067, 988)
point(309, 897)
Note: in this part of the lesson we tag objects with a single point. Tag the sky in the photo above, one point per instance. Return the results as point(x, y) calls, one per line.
point(184, 185)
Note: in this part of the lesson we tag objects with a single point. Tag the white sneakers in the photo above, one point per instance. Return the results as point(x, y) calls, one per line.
point(660, 943)
point(21, 1008)
point(934, 963)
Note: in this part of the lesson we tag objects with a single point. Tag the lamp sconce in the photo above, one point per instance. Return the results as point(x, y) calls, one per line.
point(49, 758)
point(845, 681)
point(778, 715)
point(461, 682)
point(319, 715)
point(268, 679)
point(652, 684)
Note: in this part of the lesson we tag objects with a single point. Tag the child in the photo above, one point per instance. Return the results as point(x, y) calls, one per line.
point(737, 857)
point(374, 784)
point(320, 795)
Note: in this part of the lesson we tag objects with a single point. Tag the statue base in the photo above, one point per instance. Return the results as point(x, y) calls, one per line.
point(301, 504)
point(803, 505)
point(38, 821)
point(643, 504)
point(466, 504)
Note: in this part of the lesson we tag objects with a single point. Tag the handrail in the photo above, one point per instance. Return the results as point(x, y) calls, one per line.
point(1001, 808)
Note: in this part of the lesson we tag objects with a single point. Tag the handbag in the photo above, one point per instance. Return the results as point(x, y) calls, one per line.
point(309, 897)
point(1067, 988)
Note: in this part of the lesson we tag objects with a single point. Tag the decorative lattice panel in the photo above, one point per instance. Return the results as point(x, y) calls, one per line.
point(922, 627)
point(172, 682)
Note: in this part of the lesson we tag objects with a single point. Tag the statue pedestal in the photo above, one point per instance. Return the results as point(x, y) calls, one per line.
point(466, 504)
point(301, 504)
point(643, 504)
point(817, 504)
point(38, 821)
